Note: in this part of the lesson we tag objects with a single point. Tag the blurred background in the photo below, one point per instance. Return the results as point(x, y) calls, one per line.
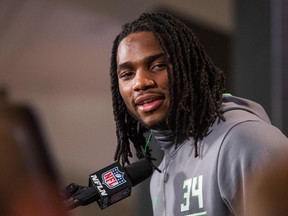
point(54, 57)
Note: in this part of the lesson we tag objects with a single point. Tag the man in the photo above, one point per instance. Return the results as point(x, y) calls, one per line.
point(163, 81)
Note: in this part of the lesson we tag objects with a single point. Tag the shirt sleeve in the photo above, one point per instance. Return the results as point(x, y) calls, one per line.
point(245, 150)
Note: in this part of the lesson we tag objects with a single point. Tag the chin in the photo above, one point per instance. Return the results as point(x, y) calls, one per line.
point(159, 125)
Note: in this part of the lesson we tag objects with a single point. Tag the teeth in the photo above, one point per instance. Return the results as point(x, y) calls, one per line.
point(147, 101)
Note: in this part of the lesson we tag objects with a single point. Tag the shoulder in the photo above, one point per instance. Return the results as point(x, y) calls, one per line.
point(254, 135)
point(247, 148)
point(250, 145)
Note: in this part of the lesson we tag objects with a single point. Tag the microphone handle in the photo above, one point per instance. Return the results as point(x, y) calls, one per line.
point(86, 196)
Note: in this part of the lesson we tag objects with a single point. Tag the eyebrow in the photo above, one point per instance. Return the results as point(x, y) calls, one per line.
point(146, 59)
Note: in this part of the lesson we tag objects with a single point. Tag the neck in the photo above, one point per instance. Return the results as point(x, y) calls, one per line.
point(165, 138)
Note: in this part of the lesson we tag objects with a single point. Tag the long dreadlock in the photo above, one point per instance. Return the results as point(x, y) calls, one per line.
point(196, 93)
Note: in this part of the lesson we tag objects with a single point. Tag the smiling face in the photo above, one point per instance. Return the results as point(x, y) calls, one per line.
point(143, 79)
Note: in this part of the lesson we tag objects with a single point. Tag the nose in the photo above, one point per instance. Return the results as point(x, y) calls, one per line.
point(143, 81)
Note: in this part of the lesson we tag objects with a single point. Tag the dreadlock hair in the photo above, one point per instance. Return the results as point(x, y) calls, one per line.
point(196, 92)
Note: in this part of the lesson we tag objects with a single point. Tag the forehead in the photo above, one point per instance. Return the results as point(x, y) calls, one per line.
point(137, 46)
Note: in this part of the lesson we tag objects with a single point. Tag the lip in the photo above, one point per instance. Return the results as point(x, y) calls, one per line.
point(149, 102)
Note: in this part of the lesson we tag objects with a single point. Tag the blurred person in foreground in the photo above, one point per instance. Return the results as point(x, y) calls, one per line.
point(267, 191)
point(28, 180)
point(165, 86)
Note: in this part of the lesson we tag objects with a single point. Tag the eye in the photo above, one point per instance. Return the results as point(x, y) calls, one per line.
point(126, 75)
point(159, 66)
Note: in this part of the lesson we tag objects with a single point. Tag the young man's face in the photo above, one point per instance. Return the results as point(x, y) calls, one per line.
point(143, 79)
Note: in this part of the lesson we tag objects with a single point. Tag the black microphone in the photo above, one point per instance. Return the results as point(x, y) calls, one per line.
point(108, 185)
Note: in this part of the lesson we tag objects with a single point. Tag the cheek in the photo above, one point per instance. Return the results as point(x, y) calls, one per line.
point(171, 74)
point(124, 92)
point(164, 82)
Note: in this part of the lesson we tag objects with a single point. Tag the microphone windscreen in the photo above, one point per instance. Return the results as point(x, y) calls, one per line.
point(139, 171)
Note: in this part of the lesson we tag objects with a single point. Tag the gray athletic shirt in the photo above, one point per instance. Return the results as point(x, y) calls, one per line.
point(207, 185)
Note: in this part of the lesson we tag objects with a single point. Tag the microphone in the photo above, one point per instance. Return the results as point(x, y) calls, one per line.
point(108, 185)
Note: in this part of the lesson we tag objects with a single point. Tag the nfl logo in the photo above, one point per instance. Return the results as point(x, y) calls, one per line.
point(113, 178)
